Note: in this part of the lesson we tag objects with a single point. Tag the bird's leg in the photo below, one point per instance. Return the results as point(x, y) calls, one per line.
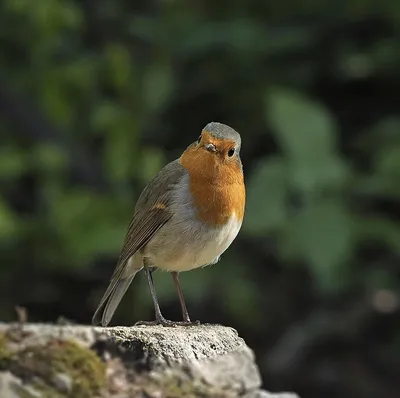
point(160, 320)
point(185, 314)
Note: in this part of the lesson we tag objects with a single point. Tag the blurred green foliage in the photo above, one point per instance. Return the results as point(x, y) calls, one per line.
point(95, 97)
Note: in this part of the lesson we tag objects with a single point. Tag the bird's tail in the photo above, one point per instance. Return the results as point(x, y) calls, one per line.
point(111, 299)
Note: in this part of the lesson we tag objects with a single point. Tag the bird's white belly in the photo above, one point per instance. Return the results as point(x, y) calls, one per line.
point(182, 246)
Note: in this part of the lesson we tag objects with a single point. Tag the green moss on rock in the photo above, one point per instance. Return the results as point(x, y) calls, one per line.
point(85, 369)
point(177, 385)
point(5, 353)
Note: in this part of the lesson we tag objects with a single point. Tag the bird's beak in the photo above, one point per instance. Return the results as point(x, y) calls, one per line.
point(210, 147)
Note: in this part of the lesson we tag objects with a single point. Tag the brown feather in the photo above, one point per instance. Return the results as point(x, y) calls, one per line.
point(151, 213)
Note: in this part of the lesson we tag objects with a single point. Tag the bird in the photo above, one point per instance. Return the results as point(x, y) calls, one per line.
point(185, 218)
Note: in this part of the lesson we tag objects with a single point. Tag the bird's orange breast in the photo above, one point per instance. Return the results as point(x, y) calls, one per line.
point(216, 184)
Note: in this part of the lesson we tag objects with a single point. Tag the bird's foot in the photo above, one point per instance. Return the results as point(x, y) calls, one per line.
point(188, 322)
point(165, 322)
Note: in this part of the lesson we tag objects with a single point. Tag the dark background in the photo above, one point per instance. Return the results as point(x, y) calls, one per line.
point(96, 96)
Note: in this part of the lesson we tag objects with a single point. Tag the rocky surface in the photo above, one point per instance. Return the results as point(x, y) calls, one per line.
point(43, 361)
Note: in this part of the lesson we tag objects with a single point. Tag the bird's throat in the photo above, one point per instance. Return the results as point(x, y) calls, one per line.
point(217, 186)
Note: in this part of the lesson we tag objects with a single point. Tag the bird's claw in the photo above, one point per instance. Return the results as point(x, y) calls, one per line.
point(167, 323)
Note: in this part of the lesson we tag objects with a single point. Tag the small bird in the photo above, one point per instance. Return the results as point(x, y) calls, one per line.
point(185, 218)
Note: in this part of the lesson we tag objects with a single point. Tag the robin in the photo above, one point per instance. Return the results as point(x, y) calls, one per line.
point(185, 218)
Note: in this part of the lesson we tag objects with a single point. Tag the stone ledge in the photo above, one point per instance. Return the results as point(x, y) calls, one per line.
point(199, 361)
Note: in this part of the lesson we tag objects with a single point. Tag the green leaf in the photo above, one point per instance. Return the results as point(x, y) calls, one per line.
point(306, 133)
point(121, 150)
point(378, 229)
point(323, 234)
point(304, 127)
point(387, 161)
point(88, 225)
point(377, 185)
point(383, 134)
point(55, 100)
point(105, 115)
point(8, 222)
point(49, 157)
point(383, 180)
point(120, 66)
point(158, 85)
point(12, 162)
point(152, 161)
point(266, 192)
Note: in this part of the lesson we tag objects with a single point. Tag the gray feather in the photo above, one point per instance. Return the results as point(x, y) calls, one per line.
point(146, 221)
point(223, 131)
point(111, 300)
point(115, 298)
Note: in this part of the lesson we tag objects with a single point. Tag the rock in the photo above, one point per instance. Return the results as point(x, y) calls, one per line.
point(214, 354)
point(12, 387)
point(62, 382)
point(155, 361)
point(265, 394)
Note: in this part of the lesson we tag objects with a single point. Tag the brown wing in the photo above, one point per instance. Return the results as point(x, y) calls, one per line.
point(151, 212)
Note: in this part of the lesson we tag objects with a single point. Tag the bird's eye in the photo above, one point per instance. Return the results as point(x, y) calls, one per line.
point(231, 152)
point(199, 139)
